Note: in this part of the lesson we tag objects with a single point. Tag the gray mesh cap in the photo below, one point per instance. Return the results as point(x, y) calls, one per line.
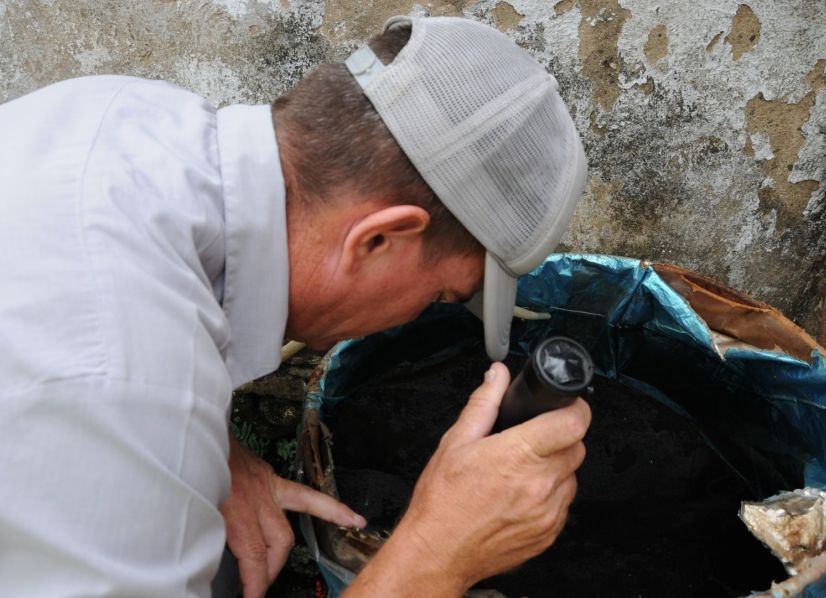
point(484, 125)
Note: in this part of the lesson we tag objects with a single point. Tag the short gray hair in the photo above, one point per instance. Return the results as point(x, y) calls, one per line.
point(335, 140)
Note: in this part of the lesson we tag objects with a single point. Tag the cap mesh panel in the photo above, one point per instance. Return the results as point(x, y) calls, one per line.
point(484, 125)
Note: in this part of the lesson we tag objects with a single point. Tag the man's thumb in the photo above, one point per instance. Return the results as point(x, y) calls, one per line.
point(479, 415)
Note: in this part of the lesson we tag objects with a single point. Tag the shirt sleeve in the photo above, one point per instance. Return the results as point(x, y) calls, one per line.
point(114, 392)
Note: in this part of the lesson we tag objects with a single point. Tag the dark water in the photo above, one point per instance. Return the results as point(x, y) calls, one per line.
point(656, 511)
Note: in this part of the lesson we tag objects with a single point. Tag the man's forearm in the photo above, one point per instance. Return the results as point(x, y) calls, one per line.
point(408, 566)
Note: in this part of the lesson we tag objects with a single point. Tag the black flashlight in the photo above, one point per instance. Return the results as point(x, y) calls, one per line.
point(558, 371)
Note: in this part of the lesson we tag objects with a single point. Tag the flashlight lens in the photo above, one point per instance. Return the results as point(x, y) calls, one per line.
point(564, 363)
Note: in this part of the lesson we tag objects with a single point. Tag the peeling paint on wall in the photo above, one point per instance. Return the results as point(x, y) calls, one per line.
point(360, 20)
point(599, 32)
point(656, 46)
point(705, 126)
point(505, 17)
point(563, 6)
point(745, 31)
point(714, 41)
point(778, 126)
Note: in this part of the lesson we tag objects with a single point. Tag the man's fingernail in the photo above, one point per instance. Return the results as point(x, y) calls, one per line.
point(359, 522)
point(490, 375)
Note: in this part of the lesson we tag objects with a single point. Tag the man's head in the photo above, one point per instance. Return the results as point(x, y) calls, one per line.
point(336, 149)
point(458, 118)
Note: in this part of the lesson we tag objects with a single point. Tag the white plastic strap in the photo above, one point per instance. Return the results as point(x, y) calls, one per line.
point(364, 65)
point(474, 306)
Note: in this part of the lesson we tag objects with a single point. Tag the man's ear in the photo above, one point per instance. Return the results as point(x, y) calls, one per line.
point(377, 232)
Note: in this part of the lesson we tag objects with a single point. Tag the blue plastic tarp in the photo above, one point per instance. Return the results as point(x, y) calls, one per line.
point(764, 412)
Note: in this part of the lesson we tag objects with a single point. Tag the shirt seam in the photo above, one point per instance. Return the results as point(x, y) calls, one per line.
point(223, 233)
point(224, 217)
point(98, 313)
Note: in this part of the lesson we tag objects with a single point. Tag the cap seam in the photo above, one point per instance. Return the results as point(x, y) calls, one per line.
point(472, 123)
point(574, 166)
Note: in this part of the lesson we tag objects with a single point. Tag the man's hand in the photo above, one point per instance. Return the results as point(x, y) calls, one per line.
point(258, 532)
point(483, 504)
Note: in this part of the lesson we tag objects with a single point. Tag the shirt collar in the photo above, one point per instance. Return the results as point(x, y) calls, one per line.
point(256, 275)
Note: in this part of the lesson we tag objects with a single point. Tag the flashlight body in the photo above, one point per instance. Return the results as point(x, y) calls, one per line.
point(538, 388)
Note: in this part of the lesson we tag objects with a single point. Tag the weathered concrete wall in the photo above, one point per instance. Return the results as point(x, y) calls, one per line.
point(705, 122)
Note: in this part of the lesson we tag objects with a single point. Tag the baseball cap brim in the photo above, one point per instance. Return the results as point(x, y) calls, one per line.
point(494, 305)
point(498, 301)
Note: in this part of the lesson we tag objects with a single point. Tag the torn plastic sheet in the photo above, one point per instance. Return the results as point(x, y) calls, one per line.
point(791, 524)
point(759, 400)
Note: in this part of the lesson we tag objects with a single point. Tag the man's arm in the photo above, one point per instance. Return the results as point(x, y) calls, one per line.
point(484, 503)
point(258, 532)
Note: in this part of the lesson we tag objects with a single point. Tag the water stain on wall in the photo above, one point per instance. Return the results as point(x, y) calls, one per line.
point(593, 216)
point(250, 58)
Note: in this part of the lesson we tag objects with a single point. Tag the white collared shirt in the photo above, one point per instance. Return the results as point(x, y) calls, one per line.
point(143, 254)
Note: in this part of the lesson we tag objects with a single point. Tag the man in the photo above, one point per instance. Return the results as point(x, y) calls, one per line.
point(155, 253)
